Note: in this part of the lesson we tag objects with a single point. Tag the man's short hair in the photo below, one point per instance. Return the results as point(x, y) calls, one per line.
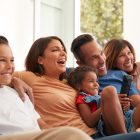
point(78, 42)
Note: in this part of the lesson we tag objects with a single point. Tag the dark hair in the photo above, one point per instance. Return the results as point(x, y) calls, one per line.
point(77, 75)
point(3, 40)
point(78, 42)
point(112, 50)
point(37, 49)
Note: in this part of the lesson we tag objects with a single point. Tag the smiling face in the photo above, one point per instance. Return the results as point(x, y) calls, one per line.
point(6, 64)
point(93, 56)
point(125, 60)
point(53, 59)
point(89, 83)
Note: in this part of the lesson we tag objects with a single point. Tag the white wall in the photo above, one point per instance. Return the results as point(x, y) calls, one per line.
point(16, 23)
point(69, 28)
point(16, 16)
point(51, 20)
point(132, 24)
point(57, 18)
point(23, 21)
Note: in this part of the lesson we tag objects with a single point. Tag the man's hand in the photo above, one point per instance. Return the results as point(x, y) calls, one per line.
point(124, 101)
point(21, 87)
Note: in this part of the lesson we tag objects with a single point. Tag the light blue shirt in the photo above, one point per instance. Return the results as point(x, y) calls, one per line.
point(115, 78)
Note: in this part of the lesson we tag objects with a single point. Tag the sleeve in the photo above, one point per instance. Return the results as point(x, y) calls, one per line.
point(133, 89)
point(80, 100)
point(28, 77)
point(17, 74)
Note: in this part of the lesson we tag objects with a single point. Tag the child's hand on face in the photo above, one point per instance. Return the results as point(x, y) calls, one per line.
point(5, 79)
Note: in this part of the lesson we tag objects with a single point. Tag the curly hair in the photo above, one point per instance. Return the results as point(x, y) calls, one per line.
point(77, 75)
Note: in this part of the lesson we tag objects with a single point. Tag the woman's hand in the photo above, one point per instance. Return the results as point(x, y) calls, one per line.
point(124, 101)
point(21, 87)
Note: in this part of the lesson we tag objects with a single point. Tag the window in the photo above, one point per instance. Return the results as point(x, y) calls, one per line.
point(102, 18)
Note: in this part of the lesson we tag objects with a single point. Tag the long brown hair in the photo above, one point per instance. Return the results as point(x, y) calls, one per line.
point(37, 49)
point(112, 50)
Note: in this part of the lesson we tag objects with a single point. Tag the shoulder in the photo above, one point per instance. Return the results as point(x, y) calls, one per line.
point(117, 72)
point(7, 89)
point(114, 74)
point(21, 74)
point(10, 89)
point(80, 99)
point(26, 76)
point(9, 94)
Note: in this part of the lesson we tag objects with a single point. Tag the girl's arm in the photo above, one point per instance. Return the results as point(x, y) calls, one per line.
point(90, 118)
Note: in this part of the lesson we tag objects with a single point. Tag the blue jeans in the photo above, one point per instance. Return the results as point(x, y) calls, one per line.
point(128, 136)
point(128, 122)
point(97, 135)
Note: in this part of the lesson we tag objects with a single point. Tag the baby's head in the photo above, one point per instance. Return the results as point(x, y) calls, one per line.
point(6, 62)
point(84, 79)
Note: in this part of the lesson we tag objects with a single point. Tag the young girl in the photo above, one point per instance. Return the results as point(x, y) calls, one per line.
point(15, 115)
point(84, 79)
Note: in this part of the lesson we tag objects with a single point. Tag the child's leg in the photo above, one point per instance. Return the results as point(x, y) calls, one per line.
point(112, 111)
point(136, 117)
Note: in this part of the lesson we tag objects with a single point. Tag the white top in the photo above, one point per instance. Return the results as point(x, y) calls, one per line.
point(16, 115)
